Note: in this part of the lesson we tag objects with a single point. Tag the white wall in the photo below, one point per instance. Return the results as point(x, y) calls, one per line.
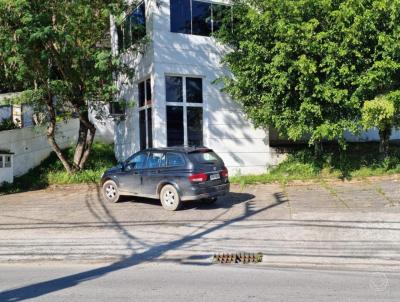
point(104, 126)
point(30, 146)
point(371, 135)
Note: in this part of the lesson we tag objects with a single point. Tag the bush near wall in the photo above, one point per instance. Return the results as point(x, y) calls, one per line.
point(7, 124)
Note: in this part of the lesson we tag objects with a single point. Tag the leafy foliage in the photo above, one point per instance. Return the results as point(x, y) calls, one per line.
point(7, 124)
point(379, 113)
point(59, 52)
point(306, 67)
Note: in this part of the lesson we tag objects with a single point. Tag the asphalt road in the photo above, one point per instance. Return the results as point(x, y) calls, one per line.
point(172, 282)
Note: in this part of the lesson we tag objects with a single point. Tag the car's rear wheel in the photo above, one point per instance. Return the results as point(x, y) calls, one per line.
point(170, 198)
point(110, 191)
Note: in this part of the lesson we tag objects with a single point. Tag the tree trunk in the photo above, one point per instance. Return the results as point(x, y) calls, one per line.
point(318, 149)
point(384, 136)
point(51, 130)
point(87, 132)
point(80, 144)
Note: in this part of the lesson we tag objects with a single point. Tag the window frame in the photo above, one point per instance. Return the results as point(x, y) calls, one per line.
point(7, 163)
point(120, 28)
point(147, 107)
point(184, 104)
point(179, 155)
point(191, 17)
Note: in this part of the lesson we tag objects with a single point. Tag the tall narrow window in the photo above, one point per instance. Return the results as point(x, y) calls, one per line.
point(133, 28)
point(145, 114)
point(195, 126)
point(142, 129)
point(175, 135)
point(142, 94)
point(185, 111)
point(181, 16)
point(148, 92)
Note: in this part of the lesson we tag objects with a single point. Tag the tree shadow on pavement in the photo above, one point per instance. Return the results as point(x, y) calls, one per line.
point(151, 253)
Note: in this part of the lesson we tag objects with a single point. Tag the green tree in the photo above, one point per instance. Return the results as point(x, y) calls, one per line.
point(306, 67)
point(382, 113)
point(59, 52)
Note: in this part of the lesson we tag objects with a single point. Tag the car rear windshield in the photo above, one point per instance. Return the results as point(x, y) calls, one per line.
point(205, 157)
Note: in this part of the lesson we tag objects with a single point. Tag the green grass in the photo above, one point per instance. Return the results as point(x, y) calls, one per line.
point(357, 161)
point(51, 171)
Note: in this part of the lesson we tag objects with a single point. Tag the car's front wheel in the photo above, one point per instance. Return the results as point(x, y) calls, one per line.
point(110, 191)
point(170, 198)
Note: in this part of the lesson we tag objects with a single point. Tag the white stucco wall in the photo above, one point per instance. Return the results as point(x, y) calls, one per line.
point(370, 135)
point(30, 146)
point(104, 124)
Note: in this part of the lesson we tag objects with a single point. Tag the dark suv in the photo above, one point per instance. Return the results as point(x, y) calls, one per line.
point(172, 175)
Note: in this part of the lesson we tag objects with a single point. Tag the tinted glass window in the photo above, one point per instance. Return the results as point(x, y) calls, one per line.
point(155, 160)
point(194, 90)
point(222, 16)
point(142, 129)
point(180, 16)
point(201, 18)
point(148, 91)
point(1, 161)
point(174, 126)
point(127, 33)
point(7, 162)
point(195, 126)
point(174, 160)
point(174, 89)
point(208, 157)
point(120, 34)
point(133, 28)
point(150, 127)
point(138, 23)
point(138, 161)
point(141, 88)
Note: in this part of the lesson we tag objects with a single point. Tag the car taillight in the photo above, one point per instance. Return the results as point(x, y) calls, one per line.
point(225, 173)
point(200, 177)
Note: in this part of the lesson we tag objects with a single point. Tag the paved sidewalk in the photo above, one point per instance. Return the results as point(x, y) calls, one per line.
point(333, 224)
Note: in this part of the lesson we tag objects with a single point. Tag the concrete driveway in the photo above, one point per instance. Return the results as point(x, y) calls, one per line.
point(333, 224)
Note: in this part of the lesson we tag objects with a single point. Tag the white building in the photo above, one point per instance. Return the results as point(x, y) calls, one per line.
point(176, 101)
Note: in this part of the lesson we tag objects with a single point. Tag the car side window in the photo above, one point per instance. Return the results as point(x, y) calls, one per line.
point(138, 161)
point(156, 160)
point(175, 160)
